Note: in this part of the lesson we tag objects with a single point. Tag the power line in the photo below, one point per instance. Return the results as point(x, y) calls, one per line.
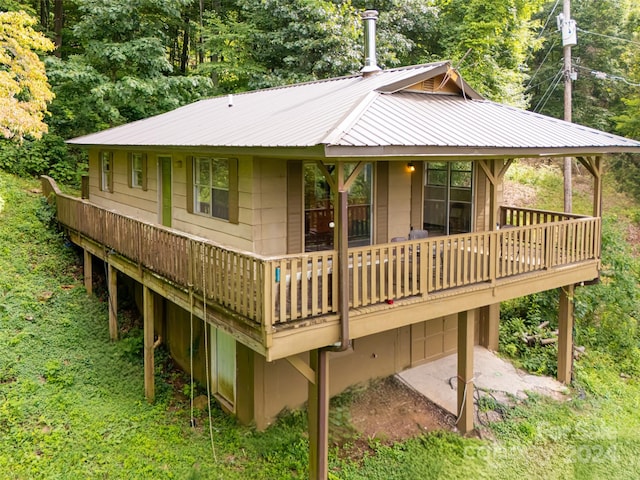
point(607, 76)
point(609, 36)
point(548, 18)
point(530, 87)
point(550, 89)
point(542, 63)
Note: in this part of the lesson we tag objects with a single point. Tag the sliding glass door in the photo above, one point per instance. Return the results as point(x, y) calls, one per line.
point(319, 207)
point(448, 197)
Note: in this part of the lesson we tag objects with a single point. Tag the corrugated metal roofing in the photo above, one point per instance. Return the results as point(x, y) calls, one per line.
point(447, 121)
point(355, 113)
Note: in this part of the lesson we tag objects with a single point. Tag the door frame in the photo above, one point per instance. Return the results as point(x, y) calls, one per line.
point(161, 190)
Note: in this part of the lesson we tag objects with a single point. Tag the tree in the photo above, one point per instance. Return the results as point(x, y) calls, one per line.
point(120, 71)
point(263, 43)
point(492, 41)
point(600, 59)
point(24, 90)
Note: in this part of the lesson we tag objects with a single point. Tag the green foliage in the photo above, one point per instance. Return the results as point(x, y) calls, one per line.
point(48, 156)
point(274, 42)
point(627, 172)
point(521, 317)
point(496, 38)
point(596, 100)
point(121, 72)
point(607, 313)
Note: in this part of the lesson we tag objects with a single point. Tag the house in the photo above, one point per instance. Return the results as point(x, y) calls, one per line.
point(331, 232)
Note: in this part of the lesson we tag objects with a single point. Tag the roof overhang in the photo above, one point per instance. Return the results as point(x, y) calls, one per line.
point(453, 152)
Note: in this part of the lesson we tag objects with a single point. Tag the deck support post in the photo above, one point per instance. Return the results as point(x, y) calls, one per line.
point(112, 281)
point(88, 272)
point(343, 259)
point(319, 415)
point(465, 387)
point(489, 326)
point(149, 347)
point(565, 334)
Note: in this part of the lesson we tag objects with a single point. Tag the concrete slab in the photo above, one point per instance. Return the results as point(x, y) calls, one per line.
point(437, 380)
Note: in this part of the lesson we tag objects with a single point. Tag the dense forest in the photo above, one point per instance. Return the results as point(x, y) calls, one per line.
point(110, 62)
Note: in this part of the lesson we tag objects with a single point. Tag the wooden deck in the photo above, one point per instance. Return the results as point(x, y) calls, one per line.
point(293, 291)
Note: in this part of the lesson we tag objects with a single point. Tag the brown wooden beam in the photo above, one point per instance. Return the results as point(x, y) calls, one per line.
point(343, 259)
point(465, 386)
point(505, 167)
point(319, 416)
point(352, 177)
point(303, 368)
point(597, 187)
point(489, 326)
point(88, 272)
point(112, 294)
point(149, 347)
point(487, 168)
point(327, 175)
point(594, 166)
point(565, 334)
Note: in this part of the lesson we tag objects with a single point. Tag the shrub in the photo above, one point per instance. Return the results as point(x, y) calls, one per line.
point(606, 314)
point(48, 156)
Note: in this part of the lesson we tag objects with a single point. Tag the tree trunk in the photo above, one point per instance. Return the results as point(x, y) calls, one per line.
point(58, 14)
point(44, 14)
point(184, 56)
point(200, 41)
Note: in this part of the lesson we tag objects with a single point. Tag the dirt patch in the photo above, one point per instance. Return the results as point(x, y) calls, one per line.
point(517, 194)
point(388, 411)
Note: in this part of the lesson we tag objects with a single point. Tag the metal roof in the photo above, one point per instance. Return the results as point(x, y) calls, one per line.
point(364, 115)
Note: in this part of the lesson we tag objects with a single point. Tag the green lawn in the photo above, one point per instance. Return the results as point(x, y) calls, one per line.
point(72, 404)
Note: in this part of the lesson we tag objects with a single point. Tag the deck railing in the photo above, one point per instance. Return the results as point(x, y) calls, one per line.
point(279, 290)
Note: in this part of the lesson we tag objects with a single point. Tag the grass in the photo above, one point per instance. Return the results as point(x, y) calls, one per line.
point(72, 404)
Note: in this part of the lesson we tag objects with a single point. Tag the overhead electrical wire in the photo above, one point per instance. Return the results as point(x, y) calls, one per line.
point(550, 48)
point(541, 82)
point(606, 76)
point(609, 36)
point(548, 18)
point(547, 94)
point(541, 63)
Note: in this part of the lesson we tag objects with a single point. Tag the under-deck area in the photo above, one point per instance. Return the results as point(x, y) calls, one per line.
point(284, 305)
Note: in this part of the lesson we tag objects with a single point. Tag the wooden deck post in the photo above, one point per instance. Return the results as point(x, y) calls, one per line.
point(149, 360)
point(465, 386)
point(318, 406)
point(565, 334)
point(489, 326)
point(112, 281)
point(88, 272)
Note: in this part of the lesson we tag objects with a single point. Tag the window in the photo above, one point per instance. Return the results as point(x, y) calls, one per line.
point(138, 170)
point(211, 186)
point(106, 171)
point(319, 207)
point(448, 197)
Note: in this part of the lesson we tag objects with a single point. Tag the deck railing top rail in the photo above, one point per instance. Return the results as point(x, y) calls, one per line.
point(517, 216)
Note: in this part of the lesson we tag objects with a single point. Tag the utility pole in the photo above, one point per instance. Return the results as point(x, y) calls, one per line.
point(569, 39)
